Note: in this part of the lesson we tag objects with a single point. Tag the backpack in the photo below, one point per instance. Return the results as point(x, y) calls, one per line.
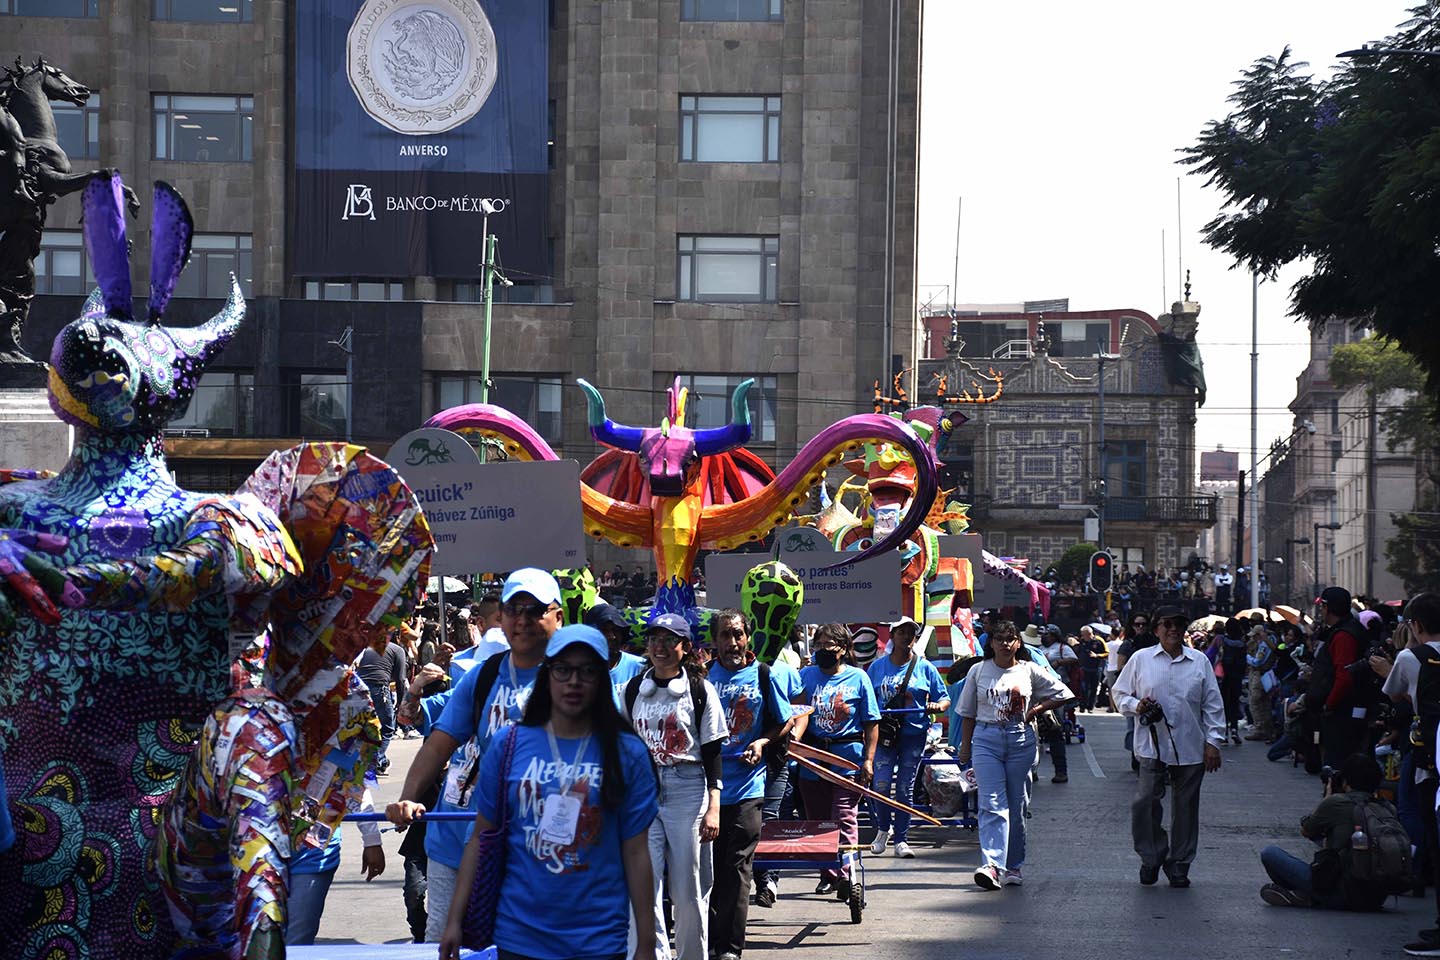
point(1385, 868)
point(489, 673)
point(1427, 705)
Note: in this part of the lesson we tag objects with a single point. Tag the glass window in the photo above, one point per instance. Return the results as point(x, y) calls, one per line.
point(50, 8)
point(1125, 468)
point(728, 268)
point(78, 128)
point(223, 405)
point(534, 399)
point(203, 128)
point(1077, 338)
point(205, 11)
point(730, 9)
point(354, 290)
point(213, 257)
point(315, 403)
point(730, 129)
point(709, 403)
point(63, 266)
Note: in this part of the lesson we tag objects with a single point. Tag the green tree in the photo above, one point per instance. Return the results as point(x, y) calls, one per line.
point(1344, 171)
point(1074, 563)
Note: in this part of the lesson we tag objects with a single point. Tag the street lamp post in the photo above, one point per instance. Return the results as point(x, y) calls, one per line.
point(1315, 550)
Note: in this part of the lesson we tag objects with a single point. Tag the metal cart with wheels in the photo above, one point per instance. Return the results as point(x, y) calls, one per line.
point(812, 845)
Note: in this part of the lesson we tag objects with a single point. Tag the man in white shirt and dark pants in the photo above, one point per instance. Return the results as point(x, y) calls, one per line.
point(1177, 746)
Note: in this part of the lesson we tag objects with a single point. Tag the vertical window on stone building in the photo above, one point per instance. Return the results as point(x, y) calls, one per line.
point(203, 128)
point(717, 269)
point(730, 129)
point(314, 403)
point(78, 128)
point(709, 403)
point(213, 257)
point(731, 9)
point(63, 267)
point(50, 8)
point(536, 400)
point(1125, 473)
point(223, 405)
point(205, 11)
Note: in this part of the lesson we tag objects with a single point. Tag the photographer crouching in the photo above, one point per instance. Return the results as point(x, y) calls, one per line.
point(1171, 692)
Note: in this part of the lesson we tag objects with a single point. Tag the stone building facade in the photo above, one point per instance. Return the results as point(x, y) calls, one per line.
point(836, 205)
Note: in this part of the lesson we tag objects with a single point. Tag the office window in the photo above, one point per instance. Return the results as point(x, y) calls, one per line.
point(709, 403)
point(520, 291)
point(223, 405)
point(728, 268)
point(205, 11)
point(314, 403)
point(354, 290)
point(78, 128)
point(50, 8)
point(730, 9)
point(1125, 468)
point(63, 266)
point(536, 400)
point(730, 129)
point(1077, 338)
point(213, 257)
point(203, 128)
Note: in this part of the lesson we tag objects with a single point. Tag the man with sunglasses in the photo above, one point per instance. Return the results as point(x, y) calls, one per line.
point(461, 722)
point(1170, 688)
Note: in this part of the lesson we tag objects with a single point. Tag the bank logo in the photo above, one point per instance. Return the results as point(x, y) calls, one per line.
point(421, 67)
point(358, 203)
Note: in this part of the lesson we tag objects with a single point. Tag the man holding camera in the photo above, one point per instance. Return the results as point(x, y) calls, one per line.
point(1171, 692)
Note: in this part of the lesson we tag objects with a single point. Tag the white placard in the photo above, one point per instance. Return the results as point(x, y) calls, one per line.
point(866, 592)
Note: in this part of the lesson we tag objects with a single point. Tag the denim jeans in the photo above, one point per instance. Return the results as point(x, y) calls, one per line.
point(905, 756)
point(1002, 755)
point(676, 850)
point(1292, 873)
point(385, 710)
point(306, 904)
point(439, 891)
point(414, 892)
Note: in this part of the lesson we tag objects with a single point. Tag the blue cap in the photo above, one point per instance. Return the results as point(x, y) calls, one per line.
point(534, 581)
point(671, 623)
point(567, 637)
point(606, 615)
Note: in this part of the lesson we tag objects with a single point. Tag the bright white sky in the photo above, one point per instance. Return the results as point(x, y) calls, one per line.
point(1058, 122)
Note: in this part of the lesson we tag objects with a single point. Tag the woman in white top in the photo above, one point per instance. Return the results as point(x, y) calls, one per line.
point(1002, 694)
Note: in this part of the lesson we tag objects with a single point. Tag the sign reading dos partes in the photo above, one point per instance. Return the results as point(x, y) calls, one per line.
point(866, 592)
point(496, 517)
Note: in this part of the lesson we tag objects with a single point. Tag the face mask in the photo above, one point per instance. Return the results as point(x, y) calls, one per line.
point(827, 658)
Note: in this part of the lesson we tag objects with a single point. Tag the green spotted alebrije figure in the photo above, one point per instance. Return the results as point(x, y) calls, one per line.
point(578, 592)
point(770, 596)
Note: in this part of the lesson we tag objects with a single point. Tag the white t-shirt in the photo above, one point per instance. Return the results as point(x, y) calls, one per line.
point(1405, 674)
point(992, 695)
point(491, 642)
point(666, 722)
point(1112, 661)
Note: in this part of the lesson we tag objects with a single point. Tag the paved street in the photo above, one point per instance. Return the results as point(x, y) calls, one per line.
point(1081, 898)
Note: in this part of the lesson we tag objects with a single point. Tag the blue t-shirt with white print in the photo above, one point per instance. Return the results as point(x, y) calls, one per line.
point(744, 702)
point(561, 901)
point(842, 704)
point(925, 686)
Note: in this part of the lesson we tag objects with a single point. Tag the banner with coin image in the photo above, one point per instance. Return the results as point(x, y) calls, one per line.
point(409, 115)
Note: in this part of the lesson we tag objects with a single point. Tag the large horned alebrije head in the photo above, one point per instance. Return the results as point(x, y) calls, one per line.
point(110, 373)
point(670, 453)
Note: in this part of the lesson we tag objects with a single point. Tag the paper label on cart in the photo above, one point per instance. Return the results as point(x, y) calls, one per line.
point(560, 819)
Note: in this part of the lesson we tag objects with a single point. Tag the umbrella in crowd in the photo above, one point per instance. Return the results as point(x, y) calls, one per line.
point(1208, 623)
point(452, 586)
point(1273, 616)
point(1101, 629)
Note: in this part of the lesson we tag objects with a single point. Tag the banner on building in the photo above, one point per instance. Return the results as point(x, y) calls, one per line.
point(408, 115)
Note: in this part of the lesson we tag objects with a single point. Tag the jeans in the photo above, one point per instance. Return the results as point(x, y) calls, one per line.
point(777, 792)
point(1091, 685)
point(825, 801)
point(440, 890)
point(675, 848)
point(734, 856)
point(414, 892)
point(306, 904)
point(1002, 755)
point(1057, 753)
point(906, 756)
point(385, 710)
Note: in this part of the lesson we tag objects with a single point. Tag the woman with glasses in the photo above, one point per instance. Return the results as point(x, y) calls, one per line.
point(844, 720)
point(1002, 694)
point(580, 797)
point(679, 717)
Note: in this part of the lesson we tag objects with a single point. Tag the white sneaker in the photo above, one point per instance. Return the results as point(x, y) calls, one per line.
point(902, 850)
point(1012, 878)
point(881, 841)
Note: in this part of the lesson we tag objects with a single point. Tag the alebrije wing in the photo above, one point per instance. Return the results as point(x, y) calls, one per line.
point(103, 204)
point(170, 231)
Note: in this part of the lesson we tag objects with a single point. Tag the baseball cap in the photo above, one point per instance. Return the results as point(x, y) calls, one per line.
point(1166, 612)
point(1337, 599)
point(533, 581)
point(671, 623)
point(605, 615)
point(567, 637)
point(904, 620)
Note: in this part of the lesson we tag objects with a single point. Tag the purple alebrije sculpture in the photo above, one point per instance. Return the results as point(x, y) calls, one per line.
point(114, 374)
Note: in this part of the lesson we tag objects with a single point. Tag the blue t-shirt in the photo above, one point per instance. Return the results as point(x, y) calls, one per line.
point(445, 839)
point(925, 686)
point(565, 901)
point(843, 703)
point(744, 704)
point(788, 678)
point(629, 666)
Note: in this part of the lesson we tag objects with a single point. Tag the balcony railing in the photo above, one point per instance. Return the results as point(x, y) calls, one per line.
point(1188, 510)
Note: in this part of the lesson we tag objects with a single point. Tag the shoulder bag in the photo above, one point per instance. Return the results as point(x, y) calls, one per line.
point(892, 724)
point(477, 927)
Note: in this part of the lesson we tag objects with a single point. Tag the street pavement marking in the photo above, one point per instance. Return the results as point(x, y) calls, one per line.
point(1090, 759)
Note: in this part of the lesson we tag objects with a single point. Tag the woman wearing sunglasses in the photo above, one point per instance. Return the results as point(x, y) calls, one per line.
point(1002, 694)
point(580, 796)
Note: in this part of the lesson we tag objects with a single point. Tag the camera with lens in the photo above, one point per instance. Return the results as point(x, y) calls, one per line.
point(1150, 713)
point(1332, 778)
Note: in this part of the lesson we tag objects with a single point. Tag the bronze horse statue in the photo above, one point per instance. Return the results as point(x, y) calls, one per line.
point(34, 173)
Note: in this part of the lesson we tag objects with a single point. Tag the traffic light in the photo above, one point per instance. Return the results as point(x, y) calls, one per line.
point(1102, 571)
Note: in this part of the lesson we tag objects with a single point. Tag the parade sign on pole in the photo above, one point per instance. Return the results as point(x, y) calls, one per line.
point(492, 517)
point(866, 592)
